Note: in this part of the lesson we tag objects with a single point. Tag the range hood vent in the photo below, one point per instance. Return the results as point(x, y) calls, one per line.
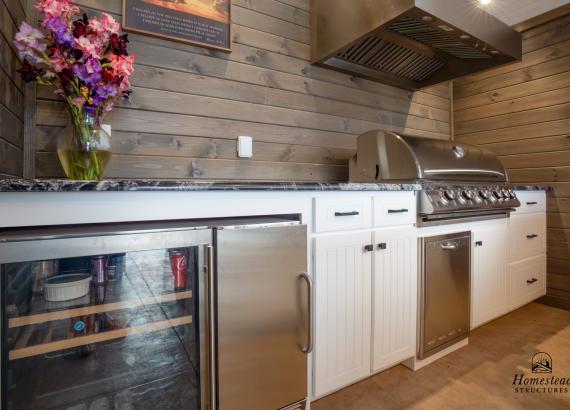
point(410, 44)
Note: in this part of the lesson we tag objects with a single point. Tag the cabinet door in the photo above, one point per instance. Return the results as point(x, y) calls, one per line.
point(489, 298)
point(527, 281)
point(395, 296)
point(343, 308)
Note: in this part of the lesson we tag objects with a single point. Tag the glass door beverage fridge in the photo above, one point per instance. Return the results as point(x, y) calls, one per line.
point(107, 317)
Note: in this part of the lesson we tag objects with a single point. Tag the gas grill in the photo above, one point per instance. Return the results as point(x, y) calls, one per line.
point(460, 182)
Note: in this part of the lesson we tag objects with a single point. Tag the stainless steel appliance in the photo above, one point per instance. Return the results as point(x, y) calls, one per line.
point(410, 43)
point(205, 315)
point(460, 182)
point(445, 292)
point(137, 341)
point(264, 299)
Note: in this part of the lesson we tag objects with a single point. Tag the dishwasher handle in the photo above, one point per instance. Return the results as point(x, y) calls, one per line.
point(310, 334)
point(449, 246)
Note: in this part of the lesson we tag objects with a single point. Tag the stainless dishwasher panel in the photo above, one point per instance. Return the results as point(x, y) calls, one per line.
point(263, 315)
point(445, 294)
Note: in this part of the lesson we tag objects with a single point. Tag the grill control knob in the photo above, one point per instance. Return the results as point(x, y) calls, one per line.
point(498, 194)
point(506, 194)
point(450, 195)
point(467, 195)
point(484, 194)
point(512, 194)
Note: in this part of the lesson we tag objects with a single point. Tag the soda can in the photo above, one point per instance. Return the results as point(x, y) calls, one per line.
point(42, 270)
point(99, 270)
point(116, 266)
point(179, 265)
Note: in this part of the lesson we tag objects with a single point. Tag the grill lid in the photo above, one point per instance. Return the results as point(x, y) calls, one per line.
point(383, 155)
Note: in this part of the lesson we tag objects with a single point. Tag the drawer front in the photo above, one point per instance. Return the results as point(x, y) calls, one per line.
point(527, 236)
point(531, 201)
point(527, 281)
point(394, 208)
point(342, 214)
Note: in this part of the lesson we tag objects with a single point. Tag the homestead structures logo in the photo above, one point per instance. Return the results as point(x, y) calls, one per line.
point(541, 363)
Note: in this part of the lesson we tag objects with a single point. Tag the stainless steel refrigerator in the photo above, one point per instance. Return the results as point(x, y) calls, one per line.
point(263, 309)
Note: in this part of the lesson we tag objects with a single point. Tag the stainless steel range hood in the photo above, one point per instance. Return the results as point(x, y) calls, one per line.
point(410, 43)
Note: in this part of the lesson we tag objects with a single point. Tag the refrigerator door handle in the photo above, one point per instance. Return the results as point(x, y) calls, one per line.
point(211, 310)
point(309, 348)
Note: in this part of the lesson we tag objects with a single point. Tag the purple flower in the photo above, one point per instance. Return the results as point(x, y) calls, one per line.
point(103, 92)
point(61, 31)
point(27, 42)
point(89, 72)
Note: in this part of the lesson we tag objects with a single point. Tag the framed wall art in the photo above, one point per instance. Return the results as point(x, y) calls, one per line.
point(204, 23)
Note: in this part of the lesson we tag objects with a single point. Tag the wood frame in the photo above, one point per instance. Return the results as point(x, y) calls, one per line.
point(90, 310)
point(177, 39)
point(36, 350)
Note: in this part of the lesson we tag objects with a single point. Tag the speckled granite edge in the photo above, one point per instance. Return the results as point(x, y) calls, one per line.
point(532, 188)
point(62, 185)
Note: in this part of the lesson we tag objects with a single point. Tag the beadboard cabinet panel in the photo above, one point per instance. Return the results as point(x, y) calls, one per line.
point(190, 104)
point(522, 113)
point(343, 280)
point(395, 296)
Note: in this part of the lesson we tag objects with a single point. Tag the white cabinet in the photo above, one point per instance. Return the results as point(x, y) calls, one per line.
point(527, 281)
point(488, 276)
point(343, 282)
point(527, 236)
point(527, 252)
point(394, 301)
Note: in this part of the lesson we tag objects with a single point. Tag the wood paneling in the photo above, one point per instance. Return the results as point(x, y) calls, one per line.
point(522, 113)
point(11, 92)
point(190, 104)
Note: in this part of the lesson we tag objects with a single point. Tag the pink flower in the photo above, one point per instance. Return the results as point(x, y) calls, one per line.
point(79, 102)
point(58, 8)
point(107, 25)
point(125, 86)
point(122, 65)
point(57, 61)
point(88, 47)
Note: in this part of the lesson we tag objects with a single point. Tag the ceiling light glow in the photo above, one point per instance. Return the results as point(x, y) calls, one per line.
point(484, 2)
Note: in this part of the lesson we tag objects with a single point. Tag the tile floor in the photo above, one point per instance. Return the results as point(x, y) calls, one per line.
point(479, 376)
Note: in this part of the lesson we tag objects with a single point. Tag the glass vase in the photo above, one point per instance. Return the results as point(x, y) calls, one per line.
point(84, 152)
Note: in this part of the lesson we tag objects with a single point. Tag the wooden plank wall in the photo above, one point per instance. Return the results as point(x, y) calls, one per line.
point(12, 12)
point(522, 113)
point(190, 104)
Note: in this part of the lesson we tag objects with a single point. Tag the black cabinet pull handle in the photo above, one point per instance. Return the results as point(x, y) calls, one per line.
point(479, 243)
point(532, 236)
point(532, 203)
point(369, 248)
point(382, 246)
point(353, 213)
point(398, 211)
point(531, 281)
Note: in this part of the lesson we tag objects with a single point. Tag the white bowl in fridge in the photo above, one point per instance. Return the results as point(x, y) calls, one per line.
point(61, 288)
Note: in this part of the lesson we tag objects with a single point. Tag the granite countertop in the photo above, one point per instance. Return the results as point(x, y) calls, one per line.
point(63, 185)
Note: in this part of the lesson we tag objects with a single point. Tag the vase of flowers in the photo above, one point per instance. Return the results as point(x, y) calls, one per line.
point(86, 60)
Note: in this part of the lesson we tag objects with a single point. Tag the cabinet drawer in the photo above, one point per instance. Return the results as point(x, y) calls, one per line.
point(342, 214)
point(527, 236)
point(527, 281)
point(531, 201)
point(394, 208)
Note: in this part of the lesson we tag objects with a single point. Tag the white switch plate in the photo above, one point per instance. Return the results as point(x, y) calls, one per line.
point(245, 147)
